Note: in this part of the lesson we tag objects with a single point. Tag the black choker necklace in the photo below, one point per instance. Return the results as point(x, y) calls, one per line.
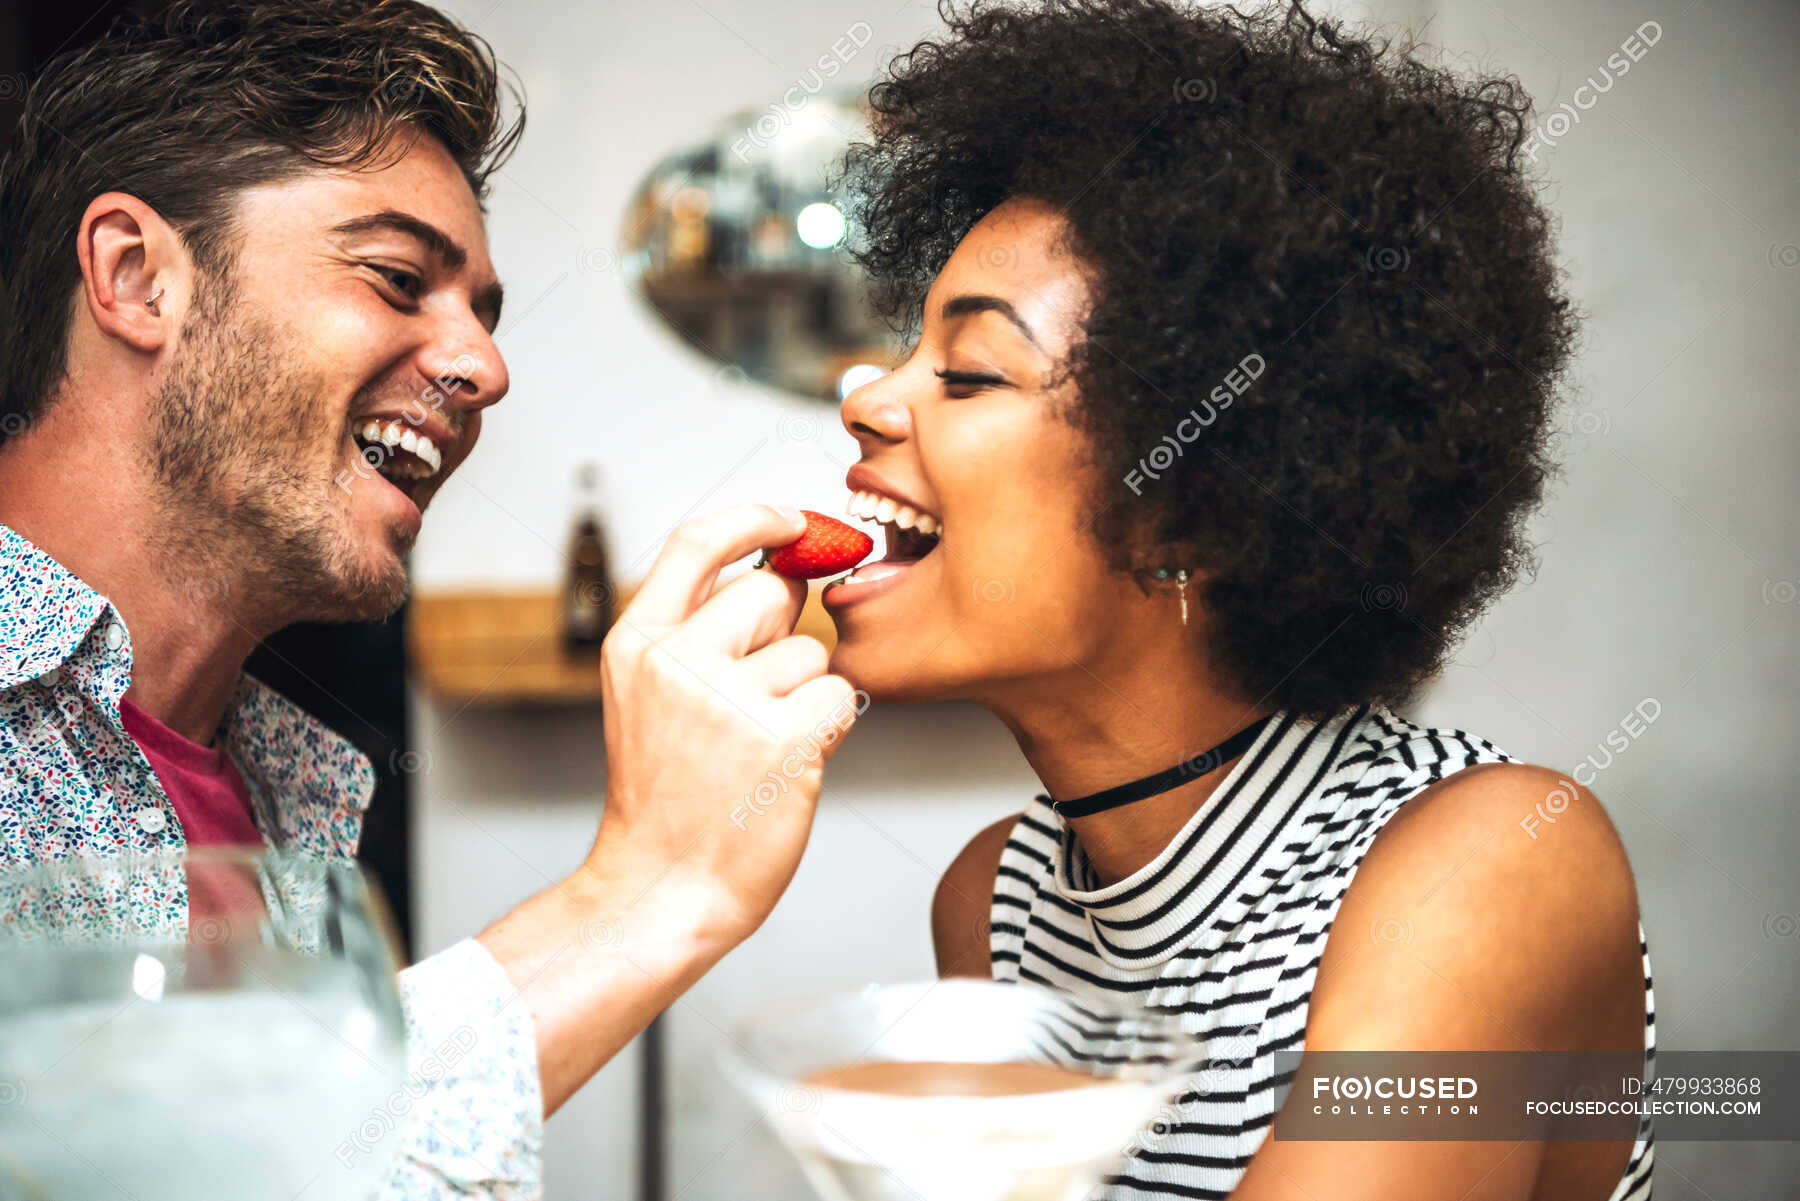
point(1163, 781)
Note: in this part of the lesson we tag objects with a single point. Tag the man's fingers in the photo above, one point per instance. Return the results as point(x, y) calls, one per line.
point(826, 707)
point(783, 666)
point(690, 561)
point(750, 612)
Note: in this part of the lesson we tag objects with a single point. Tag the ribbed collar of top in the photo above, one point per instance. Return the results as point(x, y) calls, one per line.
point(1224, 860)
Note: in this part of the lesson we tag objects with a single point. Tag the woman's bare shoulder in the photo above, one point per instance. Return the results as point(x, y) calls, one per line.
point(964, 898)
point(1474, 921)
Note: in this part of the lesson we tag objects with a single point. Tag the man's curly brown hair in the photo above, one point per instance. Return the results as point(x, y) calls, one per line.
point(187, 108)
point(1273, 184)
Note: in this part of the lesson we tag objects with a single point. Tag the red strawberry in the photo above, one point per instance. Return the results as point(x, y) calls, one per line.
point(827, 547)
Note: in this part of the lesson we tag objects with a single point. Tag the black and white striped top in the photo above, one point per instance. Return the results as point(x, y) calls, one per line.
point(1227, 925)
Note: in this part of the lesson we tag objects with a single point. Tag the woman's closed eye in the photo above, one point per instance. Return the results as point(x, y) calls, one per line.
point(967, 383)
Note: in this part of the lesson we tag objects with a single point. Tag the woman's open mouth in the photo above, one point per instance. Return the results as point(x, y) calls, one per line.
point(911, 537)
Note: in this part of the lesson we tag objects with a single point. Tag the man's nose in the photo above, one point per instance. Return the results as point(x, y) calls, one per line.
point(467, 368)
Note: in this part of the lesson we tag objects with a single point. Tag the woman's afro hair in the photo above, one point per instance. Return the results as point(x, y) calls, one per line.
point(1260, 194)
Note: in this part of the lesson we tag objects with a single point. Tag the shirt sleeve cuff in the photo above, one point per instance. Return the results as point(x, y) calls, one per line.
point(477, 1128)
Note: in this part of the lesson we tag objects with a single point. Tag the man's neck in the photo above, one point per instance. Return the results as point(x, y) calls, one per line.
point(84, 499)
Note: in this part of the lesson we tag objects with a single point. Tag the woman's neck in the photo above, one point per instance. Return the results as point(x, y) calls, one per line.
point(1094, 732)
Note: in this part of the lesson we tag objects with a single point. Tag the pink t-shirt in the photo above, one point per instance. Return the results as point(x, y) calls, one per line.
point(202, 782)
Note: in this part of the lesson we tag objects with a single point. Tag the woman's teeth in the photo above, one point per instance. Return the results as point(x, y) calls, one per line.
point(872, 506)
point(868, 573)
point(422, 460)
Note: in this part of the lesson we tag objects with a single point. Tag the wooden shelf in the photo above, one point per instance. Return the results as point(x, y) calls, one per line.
point(503, 649)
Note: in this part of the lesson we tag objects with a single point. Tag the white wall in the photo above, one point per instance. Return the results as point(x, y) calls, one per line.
point(1667, 553)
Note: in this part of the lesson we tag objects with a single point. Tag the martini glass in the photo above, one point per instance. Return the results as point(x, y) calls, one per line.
point(1097, 1074)
point(210, 1023)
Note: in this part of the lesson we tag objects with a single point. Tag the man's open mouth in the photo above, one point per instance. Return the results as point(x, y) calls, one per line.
point(399, 453)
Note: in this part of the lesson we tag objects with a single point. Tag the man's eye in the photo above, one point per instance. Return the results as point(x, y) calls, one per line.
point(403, 282)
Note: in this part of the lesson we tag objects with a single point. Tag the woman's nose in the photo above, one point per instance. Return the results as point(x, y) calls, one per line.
point(877, 411)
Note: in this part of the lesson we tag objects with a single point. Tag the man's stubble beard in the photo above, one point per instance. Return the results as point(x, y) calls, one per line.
point(269, 537)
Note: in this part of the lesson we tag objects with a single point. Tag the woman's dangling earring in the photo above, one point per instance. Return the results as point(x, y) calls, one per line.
point(1181, 577)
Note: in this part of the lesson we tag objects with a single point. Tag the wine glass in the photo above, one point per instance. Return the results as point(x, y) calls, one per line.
point(959, 1090)
point(219, 1022)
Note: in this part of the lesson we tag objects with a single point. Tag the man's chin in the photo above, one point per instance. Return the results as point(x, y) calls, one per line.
point(369, 586)
point(366, 598)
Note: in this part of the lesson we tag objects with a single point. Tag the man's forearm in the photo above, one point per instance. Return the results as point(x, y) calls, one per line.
point(705, 698)
point(599, 955)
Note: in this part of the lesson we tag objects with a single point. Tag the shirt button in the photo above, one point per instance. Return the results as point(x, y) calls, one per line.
point(115, 635)
point(152, 821)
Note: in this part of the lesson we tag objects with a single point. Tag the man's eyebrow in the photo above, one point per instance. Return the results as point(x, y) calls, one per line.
point(486, 301)
point(435, 240)
point(969, 303)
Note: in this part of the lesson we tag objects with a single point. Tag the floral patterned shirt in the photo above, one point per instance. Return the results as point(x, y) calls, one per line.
point(72, 782)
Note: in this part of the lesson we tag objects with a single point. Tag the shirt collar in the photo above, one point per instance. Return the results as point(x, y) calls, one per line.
point(45, 610)
point(310, 784)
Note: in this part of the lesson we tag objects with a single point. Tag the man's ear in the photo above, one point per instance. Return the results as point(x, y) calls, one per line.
point(135, 272)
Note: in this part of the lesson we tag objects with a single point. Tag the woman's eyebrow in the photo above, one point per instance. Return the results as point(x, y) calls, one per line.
point(977, 302)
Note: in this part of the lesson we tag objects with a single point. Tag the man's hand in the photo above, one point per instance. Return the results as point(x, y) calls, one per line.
point(718, 721)
point(718, 724)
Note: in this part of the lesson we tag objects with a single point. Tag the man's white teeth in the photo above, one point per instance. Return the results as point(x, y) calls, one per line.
point(397, 435)
point(872, 506)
